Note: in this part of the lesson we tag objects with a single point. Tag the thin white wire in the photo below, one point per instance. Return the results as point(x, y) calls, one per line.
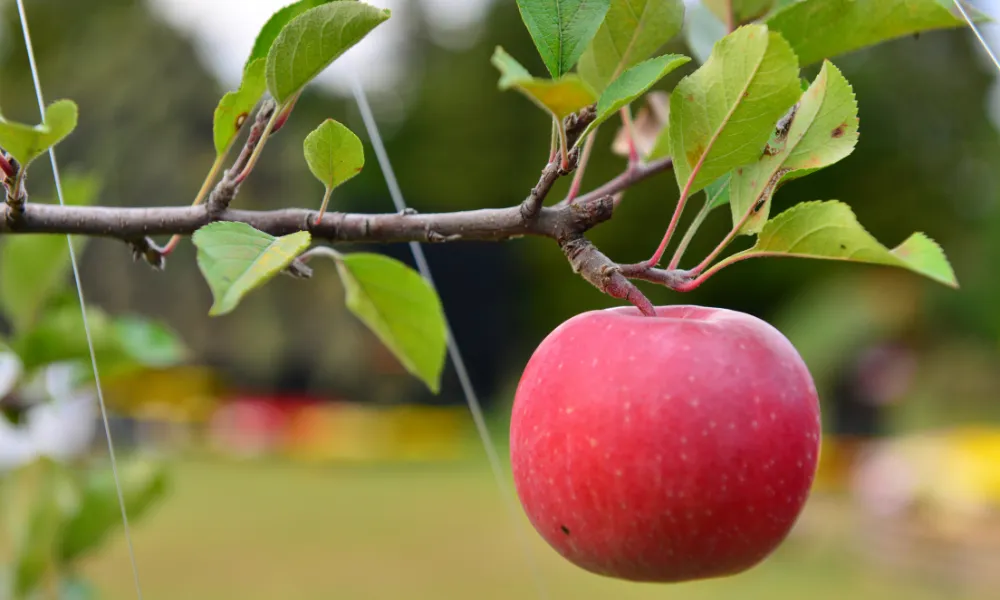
point(83, 305)
point(975, 30)
point(456, 356)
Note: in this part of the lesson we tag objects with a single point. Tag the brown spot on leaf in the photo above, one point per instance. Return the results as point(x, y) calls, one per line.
point(689, 97)
point(240, 120)
point(695, 154)
point(739, 171)
point(839, 130)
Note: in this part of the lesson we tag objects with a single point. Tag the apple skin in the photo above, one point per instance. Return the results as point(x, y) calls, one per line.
point(667, 448)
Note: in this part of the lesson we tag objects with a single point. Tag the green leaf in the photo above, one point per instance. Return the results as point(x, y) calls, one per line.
point(149, 343)
point(74, 588)
point(26, 142)
point(823, 131)
point(35, 267)
point(633, 83)
point(632, 31)
point(121, 344)
point(560, 98)
point(36, 502)
point(562, 29)
point(314, 39)
point(334, 153)
point(143, 483)
point(269, 32)
point(722, 114)
point(235, 107)
point(235, 259)
point(829, 230)
point(819, 29)
point(743, 11)
point(401, 308)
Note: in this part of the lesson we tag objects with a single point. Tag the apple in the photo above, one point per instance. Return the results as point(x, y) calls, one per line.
point(668, 448)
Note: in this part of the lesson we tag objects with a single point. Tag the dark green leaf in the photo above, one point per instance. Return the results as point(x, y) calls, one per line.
point(633, 83)
point(26, 142)
point(269, 32)
point(401, 308)
point(235, 259)
point(819, 29)
point(829, 230)
point(143, 484)
point(560, 98)
point(314, 39)
point(823, 131)
point(722, 115)
point(562, 29)
point(235, 107)
point(35, 267)
point(632, 31)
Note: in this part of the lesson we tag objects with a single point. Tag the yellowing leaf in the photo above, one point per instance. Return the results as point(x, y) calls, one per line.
point(235, 259)
point(235, 107)
point(722, 114)
point(829, 230)
point(560, 97)
point(822, 131)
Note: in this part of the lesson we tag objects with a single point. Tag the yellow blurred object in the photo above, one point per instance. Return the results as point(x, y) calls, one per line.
point(191, 392)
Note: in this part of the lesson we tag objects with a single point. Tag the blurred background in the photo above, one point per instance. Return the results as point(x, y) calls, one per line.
point(303, 462)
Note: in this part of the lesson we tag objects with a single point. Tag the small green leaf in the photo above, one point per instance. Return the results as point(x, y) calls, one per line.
point(314, 39)
point(722, 114)
point(235, 259)
point(819, 29)
point(633, 83)
point(562, 29)
point(829, 230)
point(743, 11)
point(632, 31)
point(26, 142)
point(401, 308)
point(143, 484)
point(235, 107)
point(560, 98)
point(34, 267)
point(823, 131)
point(334, 153)
point(269, 32)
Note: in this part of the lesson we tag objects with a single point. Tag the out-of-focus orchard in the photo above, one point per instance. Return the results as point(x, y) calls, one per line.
point(281, 451)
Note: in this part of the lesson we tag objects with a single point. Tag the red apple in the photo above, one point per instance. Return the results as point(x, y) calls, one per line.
point(667, 448)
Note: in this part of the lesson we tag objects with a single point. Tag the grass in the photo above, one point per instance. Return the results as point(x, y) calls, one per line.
point(267, 531)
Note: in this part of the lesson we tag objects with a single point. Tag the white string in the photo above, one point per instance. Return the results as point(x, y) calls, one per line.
point(456, 356)
point(975, 30)
point(83, 304)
